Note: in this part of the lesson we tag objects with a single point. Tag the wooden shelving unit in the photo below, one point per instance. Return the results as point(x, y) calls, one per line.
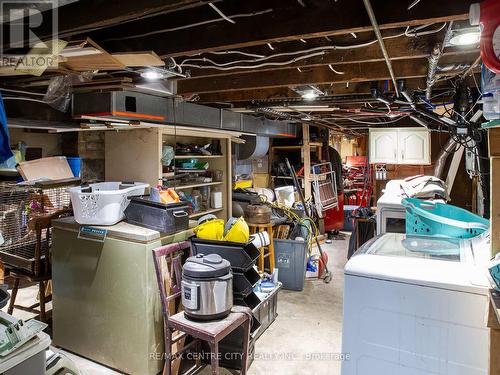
point(305, 150)
point(135, 155)
point(189, 157)
point(211, 211)
point(184, 187)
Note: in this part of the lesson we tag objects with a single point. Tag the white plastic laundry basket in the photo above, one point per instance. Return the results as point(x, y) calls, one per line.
point(103, 203)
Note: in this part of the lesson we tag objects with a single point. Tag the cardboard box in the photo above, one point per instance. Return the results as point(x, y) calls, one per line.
point(261, 165)
point(260, 180)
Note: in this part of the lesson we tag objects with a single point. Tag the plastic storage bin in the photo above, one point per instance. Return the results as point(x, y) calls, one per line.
point(439, 219)
point(291, 262)
point(165, 218)
point(103, 203)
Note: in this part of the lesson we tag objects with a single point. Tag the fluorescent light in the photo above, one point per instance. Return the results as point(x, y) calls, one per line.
point(151, 74)
point(466, 38)
point(310, 95)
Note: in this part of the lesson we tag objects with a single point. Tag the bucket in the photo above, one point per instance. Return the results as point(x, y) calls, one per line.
point(285, 195)
point(75, 163)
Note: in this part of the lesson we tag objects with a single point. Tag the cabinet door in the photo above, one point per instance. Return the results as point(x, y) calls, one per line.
point(383, 146)
point(414, 146)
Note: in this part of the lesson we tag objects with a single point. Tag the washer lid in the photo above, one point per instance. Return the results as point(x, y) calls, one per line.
point(206, 266)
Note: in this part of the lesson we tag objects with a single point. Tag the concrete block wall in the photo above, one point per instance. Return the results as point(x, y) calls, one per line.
point(91, 152)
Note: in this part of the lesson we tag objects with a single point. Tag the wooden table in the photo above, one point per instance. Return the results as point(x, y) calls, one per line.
point(494, 325)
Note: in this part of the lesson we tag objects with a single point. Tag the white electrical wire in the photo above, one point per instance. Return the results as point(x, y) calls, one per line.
point(333, 70)
point(235, 52)
point(219, 12)
point(26, 99)
point(252, 66)
point(163, 31)
point(220, 66)
point(417, 34)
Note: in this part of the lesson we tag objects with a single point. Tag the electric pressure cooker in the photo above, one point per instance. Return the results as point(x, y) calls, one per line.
point(207, 287)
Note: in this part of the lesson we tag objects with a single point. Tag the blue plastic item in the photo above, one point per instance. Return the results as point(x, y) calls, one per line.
point(444, 220)
point(75, 164)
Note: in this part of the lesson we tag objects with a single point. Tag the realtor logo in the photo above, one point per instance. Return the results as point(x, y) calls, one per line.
point(29, 35)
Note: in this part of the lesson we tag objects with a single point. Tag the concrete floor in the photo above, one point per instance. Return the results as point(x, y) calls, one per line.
point(304, 339)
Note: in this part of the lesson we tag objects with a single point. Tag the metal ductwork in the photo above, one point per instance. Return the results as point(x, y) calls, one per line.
point(127, 105)
point(254, 147)
point(431, 71)
point(443, 156)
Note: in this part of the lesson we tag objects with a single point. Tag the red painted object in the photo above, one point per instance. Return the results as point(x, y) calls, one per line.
point(334, 217)
point(487, 15)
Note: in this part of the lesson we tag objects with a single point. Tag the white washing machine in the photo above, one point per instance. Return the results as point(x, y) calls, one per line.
point(417, 306)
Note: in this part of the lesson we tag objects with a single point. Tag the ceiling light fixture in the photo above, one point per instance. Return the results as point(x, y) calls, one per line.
point(310, 95)
point(465, 37)
point(151, 75)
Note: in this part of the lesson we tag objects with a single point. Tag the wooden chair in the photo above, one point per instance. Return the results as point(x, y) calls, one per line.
point(41, 274)
point(177, 327)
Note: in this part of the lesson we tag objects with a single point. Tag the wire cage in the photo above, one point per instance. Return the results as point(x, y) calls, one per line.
point(25, 214)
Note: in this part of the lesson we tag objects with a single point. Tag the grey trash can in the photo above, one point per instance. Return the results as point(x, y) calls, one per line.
point(291, 260)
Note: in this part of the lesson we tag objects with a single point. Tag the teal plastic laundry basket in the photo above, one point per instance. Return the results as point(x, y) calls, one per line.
point(439, 219)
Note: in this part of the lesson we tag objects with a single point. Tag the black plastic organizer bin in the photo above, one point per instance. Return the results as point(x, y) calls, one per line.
point(165, 218)
point(242, 256)
point(243, 283)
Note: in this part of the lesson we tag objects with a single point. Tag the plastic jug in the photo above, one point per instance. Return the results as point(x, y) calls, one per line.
point(487, 15)
point(490, 83)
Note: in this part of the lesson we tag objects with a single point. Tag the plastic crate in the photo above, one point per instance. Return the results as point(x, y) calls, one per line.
point(103, 203)
point(291, 262)
point(439, 219)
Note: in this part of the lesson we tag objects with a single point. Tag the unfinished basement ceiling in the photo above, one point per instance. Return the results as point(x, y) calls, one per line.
point(252, 56)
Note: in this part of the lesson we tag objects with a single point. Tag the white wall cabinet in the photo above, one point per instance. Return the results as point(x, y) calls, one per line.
point(400, 146)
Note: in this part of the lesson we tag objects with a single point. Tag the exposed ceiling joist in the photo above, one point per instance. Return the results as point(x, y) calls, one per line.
point(82, 16)
point(359, 72)
point(286, 22)
point(399, 49)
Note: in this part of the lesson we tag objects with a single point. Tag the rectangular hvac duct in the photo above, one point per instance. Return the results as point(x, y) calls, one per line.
point(128, 105)
point(124, 105)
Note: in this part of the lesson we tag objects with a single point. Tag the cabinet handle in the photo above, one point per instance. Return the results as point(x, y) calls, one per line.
point(402, 154)
point(395, 155)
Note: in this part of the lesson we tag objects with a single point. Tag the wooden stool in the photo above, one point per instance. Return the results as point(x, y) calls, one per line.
point(268, 227)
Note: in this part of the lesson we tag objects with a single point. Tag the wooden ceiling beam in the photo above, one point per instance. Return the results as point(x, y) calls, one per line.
point(82, 16)
point(359, 72)
point(288, 21)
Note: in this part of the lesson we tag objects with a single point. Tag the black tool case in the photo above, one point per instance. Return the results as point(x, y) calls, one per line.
point(165, 218)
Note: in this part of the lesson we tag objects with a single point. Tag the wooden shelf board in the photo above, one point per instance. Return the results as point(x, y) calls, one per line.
point(179, 157)
point(211, 211)
point(181, 187)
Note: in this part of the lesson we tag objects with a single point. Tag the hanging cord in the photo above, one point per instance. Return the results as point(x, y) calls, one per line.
point(305, 221)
